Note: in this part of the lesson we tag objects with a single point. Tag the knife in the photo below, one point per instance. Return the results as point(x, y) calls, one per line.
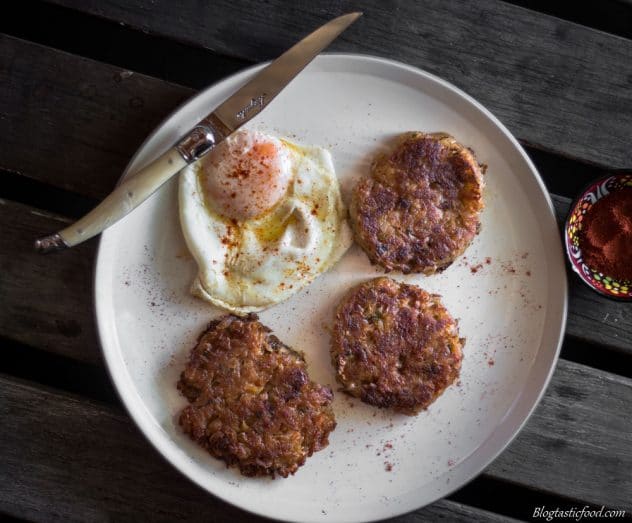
point(234, 112)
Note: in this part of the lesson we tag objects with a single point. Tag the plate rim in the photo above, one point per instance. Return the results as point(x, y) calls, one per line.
point(144, 424)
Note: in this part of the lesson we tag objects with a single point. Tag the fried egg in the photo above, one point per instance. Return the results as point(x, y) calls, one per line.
point(262, 217)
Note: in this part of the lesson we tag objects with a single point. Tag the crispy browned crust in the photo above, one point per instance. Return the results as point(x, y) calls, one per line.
point(252, 403)
point(394, 345)
point(420, 208)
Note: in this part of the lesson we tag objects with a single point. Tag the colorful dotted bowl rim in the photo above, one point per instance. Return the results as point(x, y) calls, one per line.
point(598, 282)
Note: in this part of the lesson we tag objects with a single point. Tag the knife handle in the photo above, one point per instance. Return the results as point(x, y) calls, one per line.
point(127, 196)
point(134, 191)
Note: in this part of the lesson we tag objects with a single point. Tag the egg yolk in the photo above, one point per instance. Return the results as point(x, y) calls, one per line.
point(246, 175)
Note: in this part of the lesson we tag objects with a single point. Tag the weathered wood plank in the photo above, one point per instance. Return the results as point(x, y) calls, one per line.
point(559, 85)
point(69, 459)
point(597, 319)
point(48, 301)
point(577, 443)
point(73, 122)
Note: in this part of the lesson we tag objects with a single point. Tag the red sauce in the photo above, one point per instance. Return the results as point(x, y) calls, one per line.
point(606, 239)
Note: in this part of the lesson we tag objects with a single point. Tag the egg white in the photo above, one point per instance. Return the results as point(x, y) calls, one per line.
point(251, 265)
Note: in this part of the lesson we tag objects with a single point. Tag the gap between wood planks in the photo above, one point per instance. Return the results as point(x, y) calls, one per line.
point(56, 371)
point(611, 16)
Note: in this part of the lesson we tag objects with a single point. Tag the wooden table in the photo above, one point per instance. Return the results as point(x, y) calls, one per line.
point(83, 82)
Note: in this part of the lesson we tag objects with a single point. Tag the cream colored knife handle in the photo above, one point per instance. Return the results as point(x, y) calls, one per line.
point(126, 197)
point(132, 192)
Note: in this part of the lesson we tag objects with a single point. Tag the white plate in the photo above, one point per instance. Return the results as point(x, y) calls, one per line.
point(512, 311)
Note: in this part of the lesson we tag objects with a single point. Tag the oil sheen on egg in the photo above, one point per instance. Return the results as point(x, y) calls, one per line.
point(262, 217)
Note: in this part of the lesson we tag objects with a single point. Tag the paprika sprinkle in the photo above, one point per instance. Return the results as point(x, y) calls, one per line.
point(606, 236)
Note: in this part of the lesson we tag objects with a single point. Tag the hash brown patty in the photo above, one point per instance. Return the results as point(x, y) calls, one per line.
point(252, 403)
point(394, 345)
point(420, 208)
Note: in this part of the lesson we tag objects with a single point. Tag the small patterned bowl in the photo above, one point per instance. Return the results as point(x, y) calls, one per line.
point(602, 283)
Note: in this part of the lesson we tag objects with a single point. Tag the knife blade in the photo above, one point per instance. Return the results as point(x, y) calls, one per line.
point(246, 103)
